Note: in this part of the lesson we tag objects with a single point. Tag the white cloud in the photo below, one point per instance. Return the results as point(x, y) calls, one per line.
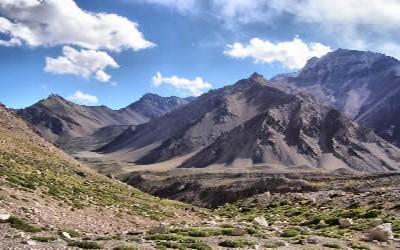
point(181, 6)
point(83, 63)
point(62, 22)
point(354, 24)
point(293, 54)
point(196, 86)
point(82, 98)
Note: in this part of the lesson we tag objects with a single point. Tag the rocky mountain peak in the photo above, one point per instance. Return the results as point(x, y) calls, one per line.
point(344, 63)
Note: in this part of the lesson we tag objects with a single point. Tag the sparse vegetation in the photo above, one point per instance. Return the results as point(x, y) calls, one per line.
point(85, 244)
point(23, 225)
point(236, 243)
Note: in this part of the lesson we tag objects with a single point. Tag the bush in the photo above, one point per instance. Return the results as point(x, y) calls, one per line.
point(290, 232)
point(125, 248)
point(22, 225)
point(236, 243)
point(85, 244)
point(332, 245)
point(44, 238)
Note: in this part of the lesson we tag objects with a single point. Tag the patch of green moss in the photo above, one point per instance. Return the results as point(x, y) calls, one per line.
point(44, 238)
point(85, 244)
point(23, 225)
point(125, 247)
point(236, 243)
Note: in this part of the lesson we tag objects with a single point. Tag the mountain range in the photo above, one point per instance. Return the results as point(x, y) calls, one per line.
point(339, 111)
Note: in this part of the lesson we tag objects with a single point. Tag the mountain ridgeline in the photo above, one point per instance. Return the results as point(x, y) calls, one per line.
point(77, 127)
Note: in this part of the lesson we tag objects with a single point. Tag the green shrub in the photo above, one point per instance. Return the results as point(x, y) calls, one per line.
point(124, 247)
point(236, 243)
point(85, 244)
point(22, 225)
point(357, 245)
point(332, 245)
point(44, 238)
point(290, 232)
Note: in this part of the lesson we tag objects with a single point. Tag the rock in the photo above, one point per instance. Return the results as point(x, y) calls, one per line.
point(158, 230)
point(4, 216)
point(313, 240)
point(237, 231)
point(345, 222)
point(66, 235)
point(381, 233)
point(376, 222)
point(281, 243)
point(261, 221)
point(29, 242)
point(281, 223)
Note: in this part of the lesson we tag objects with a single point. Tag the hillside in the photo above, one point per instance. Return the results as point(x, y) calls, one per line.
point(252, 123)
point(46, 191)
point(77, 127)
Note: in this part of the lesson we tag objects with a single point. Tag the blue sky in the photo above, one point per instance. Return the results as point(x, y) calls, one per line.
point(104, 59)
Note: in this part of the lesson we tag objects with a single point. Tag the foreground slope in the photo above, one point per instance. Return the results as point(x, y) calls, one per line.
point(256, 123)
point(77, 127)
point(50, 191)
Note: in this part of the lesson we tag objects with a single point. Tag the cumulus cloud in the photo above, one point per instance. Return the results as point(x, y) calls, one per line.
point(62, 22)
point(82, 98)
point(196, 86)
point(83, 63)
point(293, 54)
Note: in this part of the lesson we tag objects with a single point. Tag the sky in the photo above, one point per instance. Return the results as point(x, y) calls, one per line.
point(111, 52)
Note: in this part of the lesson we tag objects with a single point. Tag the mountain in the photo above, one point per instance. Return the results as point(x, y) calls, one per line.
point(45, 192)
point(77, 127)
point(252, 123)
point(364, 85)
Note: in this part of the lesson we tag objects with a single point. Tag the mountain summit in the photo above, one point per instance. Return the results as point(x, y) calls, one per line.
point(364, 85)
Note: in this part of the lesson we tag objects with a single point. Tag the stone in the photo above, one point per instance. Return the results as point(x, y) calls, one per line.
point(29, 242)
point(376, 222)
point(261, 221)
point(345, 222)
point(281, 243)
point(66, 235)
point(381, 233)
point(313, 240)
point(281, 223)
point(237, 231)
point(4, 216)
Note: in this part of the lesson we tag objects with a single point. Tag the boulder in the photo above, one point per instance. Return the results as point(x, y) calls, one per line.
point(281, 223)
point(345, 222)
point(4, 216)
point(313, 240)
point(66, 235)
point(376, 222)
point(29, 242)
point(261, 221)
point(381, 233)
point(237, 231)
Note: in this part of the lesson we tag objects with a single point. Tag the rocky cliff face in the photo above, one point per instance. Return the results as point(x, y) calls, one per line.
point(364, 85)
point(254, 123)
